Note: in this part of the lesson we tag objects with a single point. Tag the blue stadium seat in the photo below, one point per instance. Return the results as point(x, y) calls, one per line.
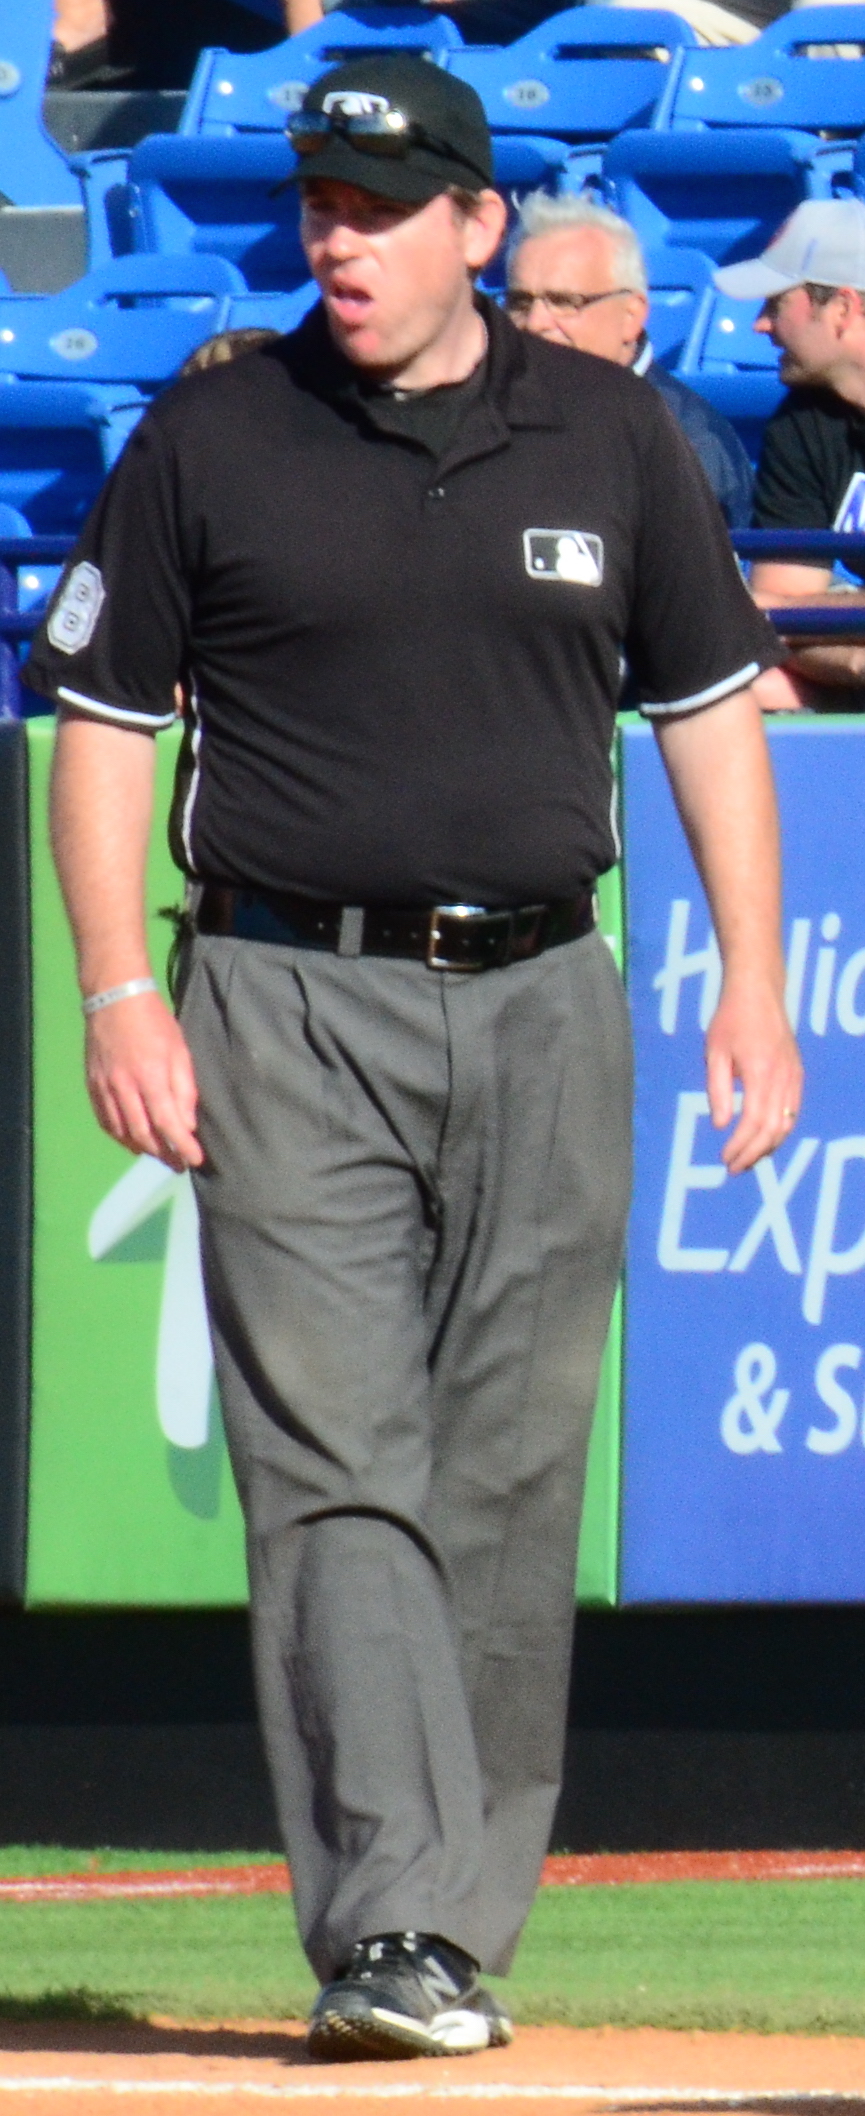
point(33, 172)
point(859, 170)
point(241, 93)
point(522, 165)
point(133, 321)
point(104, 177)
point(525, 163)
point(57, 442)
point(216, 197)
point(272, 312)
point(724, 192)
point(680, 286)
point(806, 71)
point(723, 341)
point(746, 400)
point(42, 223)
point(581, 75)
point(12, 523)
point(33, 582)
point(732, 365)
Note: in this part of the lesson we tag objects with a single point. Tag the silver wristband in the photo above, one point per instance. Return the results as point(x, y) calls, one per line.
point(98, 1000)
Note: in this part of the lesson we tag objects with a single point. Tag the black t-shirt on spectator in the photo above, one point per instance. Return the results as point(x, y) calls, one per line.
point(812, 468)
point(156, 43)
point(405, 666)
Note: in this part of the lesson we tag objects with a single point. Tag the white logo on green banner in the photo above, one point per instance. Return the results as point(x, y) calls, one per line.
point(184, 1359)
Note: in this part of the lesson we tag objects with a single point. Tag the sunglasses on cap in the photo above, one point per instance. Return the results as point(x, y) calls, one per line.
point(388, 133)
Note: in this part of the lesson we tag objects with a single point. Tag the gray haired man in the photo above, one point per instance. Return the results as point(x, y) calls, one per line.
point(576, 275)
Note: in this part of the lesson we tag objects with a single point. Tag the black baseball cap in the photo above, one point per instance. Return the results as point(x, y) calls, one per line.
point(445, 140)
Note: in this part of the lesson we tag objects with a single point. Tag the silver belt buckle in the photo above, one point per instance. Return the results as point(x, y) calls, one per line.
point(473, 913)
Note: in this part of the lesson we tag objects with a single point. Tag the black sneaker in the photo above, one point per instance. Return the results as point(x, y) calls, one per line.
point(404, 1994)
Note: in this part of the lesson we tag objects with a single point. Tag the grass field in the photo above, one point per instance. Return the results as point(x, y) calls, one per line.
point(768, 1956)
point(25, 1860)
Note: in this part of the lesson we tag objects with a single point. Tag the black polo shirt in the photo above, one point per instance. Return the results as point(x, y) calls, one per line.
point(404, 671)
point(812, 467)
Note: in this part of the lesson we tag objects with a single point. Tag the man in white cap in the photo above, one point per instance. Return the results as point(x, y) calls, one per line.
point(812, 471)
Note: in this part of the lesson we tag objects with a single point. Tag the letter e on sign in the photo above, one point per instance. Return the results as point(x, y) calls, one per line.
point(685, 1175)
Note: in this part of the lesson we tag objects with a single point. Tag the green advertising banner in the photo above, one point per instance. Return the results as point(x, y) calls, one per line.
point(131, 1498)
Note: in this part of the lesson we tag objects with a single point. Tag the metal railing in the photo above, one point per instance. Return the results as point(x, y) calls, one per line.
point(817, 547)
point(820, 546)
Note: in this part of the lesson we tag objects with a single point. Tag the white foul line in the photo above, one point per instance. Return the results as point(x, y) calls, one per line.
point(615, 2098)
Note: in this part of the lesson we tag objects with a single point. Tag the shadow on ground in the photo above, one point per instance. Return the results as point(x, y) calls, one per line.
point(807, 2104)
point(123, 2036)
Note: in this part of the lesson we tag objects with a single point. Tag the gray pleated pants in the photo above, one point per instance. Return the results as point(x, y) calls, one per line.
point(413, 1211)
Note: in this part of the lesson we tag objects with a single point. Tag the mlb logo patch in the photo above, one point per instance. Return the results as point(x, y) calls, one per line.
point(850, 518)
point(72, 622)
point(574, 556)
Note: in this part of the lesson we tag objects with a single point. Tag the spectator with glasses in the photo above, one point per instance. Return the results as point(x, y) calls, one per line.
point(576, 276)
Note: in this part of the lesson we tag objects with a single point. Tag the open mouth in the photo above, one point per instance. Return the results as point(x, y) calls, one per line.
point(350, 304)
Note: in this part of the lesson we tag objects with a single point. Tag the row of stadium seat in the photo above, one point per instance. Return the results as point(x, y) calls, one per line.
point(721, 193)
point(563, 112)
point(582, 76)
point(585, 73)
point(187, 237)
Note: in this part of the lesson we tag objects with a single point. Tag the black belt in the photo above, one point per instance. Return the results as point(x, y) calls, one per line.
point(447, 937)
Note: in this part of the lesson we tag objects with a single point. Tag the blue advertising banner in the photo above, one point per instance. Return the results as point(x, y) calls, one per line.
point(744, 1402)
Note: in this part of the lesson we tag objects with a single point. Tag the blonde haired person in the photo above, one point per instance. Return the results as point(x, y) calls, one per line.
point(224, 346)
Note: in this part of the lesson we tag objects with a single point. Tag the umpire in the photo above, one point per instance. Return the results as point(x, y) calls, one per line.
point(394, 560)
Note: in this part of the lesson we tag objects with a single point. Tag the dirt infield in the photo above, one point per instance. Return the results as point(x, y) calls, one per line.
point(562, 1870)
point(163, 2068)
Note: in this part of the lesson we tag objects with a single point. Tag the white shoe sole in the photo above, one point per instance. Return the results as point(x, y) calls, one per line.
point(460, 2032)
point(456, 2032)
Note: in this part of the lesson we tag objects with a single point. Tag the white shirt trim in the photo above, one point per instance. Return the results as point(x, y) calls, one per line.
point(115, 712)
point(189, 803)
point(737, 682)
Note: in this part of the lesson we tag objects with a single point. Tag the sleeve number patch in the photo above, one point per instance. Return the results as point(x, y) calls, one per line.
point(72, 622)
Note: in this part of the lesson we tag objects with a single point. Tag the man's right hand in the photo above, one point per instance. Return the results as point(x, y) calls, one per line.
point(141, 1080)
